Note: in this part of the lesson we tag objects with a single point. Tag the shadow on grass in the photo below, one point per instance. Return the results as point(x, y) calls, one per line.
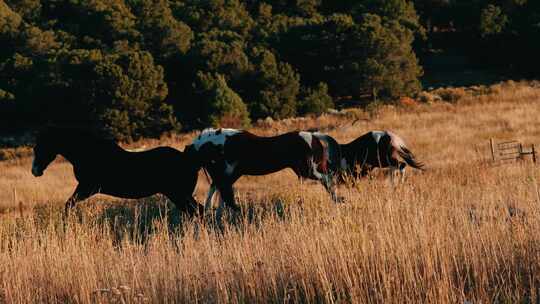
point(253, 214)
point(137, 220)
point(140, 219)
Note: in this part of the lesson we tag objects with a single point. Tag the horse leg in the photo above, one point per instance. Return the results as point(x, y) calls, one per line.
point(227, 192)
point(329, 186)
point(211, 191)
point(193, 207)
point(221, 207)
point(81, 193)
point(402, 167)
point(227, 197)
point(187, 204)
point(394, 168)
point(392, 174)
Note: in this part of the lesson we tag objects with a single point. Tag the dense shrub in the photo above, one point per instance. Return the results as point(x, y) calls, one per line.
point(140, 68)
point(368, 57)
point(316, 100)
point(219, 105)
point(271, 87)
point(122, 92)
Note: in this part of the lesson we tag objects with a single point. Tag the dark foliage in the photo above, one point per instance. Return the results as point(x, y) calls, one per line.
point(144, 67)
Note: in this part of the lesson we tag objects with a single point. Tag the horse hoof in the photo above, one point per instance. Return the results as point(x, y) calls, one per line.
point(340, 200)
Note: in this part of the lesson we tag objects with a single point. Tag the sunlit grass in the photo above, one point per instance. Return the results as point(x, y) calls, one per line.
point(464, 230)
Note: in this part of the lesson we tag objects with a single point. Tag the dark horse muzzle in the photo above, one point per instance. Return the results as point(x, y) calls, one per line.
point(36, 169)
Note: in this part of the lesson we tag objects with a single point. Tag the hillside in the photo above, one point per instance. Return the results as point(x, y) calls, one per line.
point(143, 68)
point(465, 230)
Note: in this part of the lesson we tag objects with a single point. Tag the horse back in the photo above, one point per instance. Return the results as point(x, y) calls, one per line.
point(363, 143)
point(248, 146)
point(129, 166)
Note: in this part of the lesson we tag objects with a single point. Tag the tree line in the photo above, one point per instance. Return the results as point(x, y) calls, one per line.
point(139, 68)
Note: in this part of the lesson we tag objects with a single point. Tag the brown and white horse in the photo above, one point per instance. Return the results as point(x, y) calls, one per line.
point(227, 154)
point(377, 149)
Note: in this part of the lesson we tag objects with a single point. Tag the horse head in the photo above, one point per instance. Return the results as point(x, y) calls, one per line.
point(204, 155)
point(52, 140)
point(45, 150)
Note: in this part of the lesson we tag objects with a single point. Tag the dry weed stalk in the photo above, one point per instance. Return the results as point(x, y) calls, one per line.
point(461, 232)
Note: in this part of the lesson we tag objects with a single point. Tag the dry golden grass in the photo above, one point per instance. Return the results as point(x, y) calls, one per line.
point(463, 231)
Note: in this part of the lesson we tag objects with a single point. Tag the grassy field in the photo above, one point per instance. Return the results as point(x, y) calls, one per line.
point(465, 230)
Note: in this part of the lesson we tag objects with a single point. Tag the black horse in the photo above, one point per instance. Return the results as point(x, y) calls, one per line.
point(101, 166)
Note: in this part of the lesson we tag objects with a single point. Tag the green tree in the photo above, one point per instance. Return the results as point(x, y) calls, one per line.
point(401, 11)
point(370, 57)
point(17, 36)
point(492, 20)
point(225, 15)
point(219, 105)
point(271, 87)
point(94, 23)
point(390, 66)
point(315, 100)
point(122, 93)
point(129, 90)
point(220, 51)
point(163, 35)
point(30, 10)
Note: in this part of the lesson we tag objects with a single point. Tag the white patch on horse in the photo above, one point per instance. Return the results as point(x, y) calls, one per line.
point(229, 168)
point(377, 135)
point(316, 172)
point(307, 136)
point(212, 136)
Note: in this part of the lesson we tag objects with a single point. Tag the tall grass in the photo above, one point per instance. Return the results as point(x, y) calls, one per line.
point(463, 231)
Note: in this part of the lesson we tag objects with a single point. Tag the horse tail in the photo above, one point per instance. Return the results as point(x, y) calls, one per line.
point(334, 150)
point(410, 159)
point(399, 144)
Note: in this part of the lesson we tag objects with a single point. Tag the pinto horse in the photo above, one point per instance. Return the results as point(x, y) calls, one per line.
point(377, 149)
point(101, 166)
point(227, 154)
